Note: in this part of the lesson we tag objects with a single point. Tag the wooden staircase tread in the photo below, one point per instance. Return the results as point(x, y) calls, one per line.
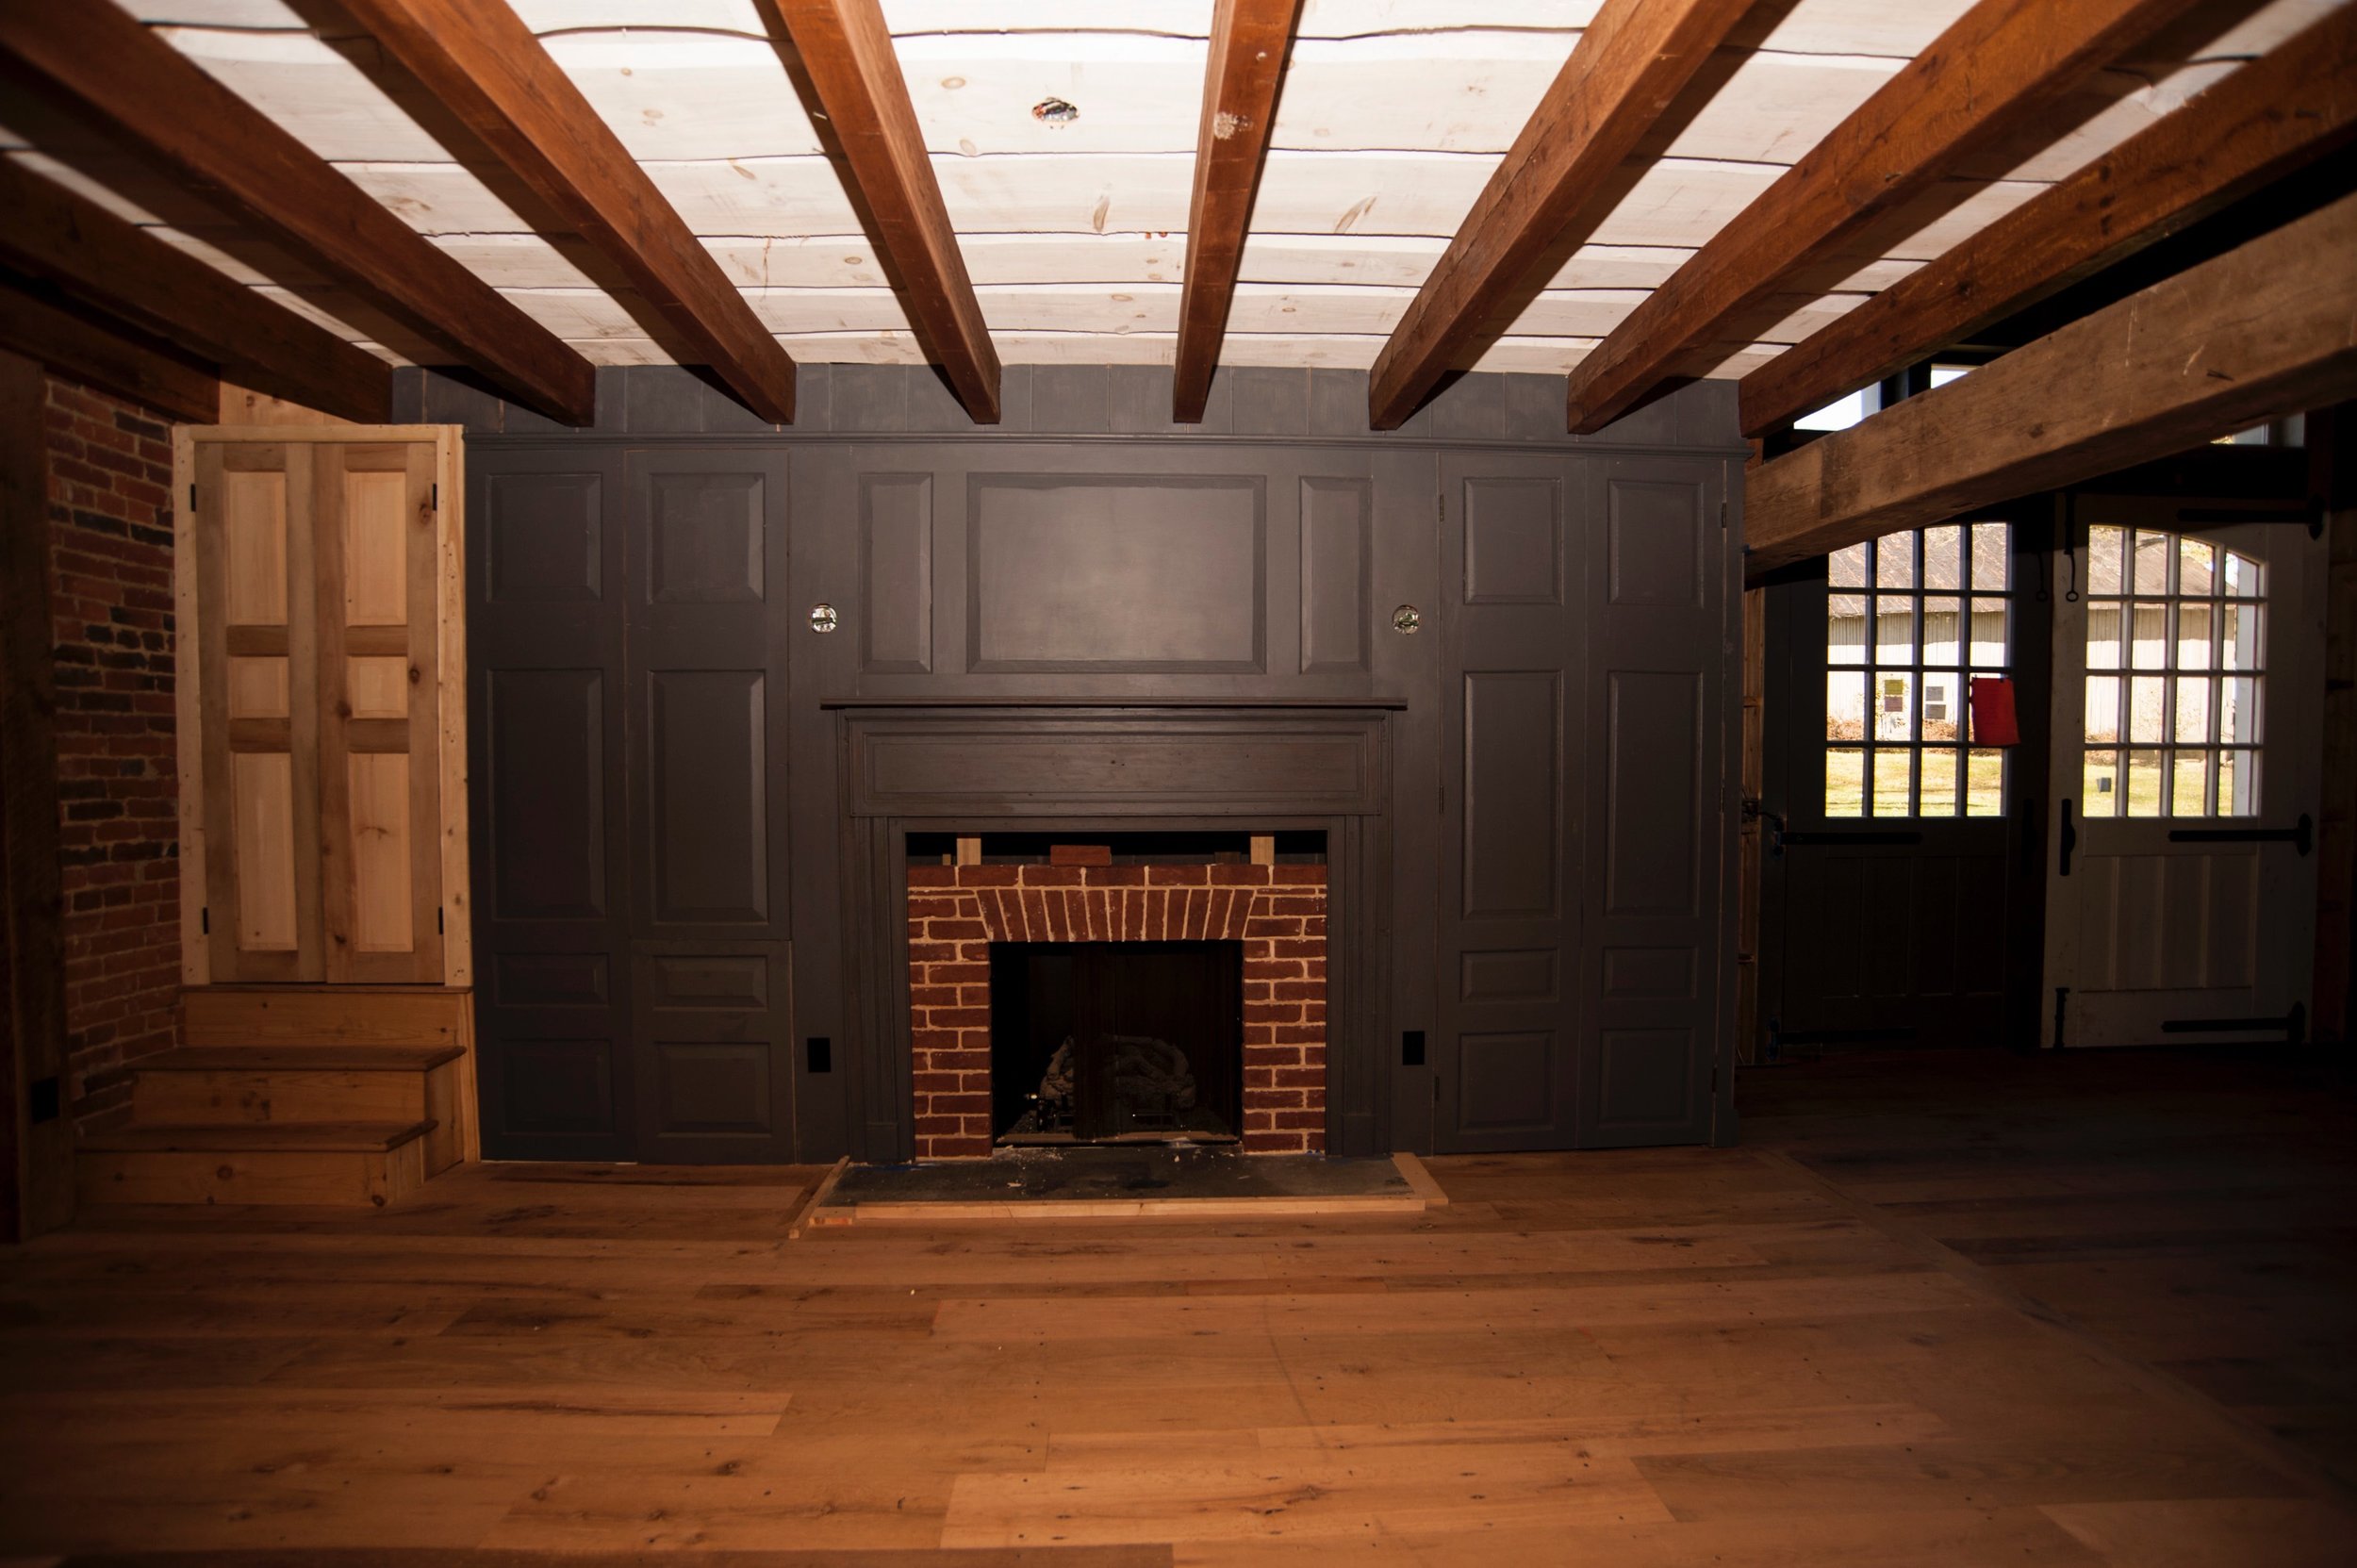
point(320, 1058)
point(259, 1138)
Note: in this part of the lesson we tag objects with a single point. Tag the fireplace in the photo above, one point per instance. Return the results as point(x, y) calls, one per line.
point(1193, 996)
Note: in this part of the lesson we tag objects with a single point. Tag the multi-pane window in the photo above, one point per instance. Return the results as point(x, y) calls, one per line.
point(2175, 646)
point(1909, 620)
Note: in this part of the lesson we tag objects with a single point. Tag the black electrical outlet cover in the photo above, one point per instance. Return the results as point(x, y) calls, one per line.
point(1411, 1048)
point(821, 1053)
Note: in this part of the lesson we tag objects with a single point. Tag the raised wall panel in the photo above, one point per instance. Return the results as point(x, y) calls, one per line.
point(895, 563)
point(552, 979)
point(254, 505)
point(1529, 974)
point(1513, 793)
point(263, 805)
point(1163, 573)
point(1663, 972)
point(377, 686)
point(1646, 1076)
point(381, 887)
point(1653, 543)
point(727, 980)
point(1337, 574)
point(544, 538)
point(376, 548)
point(707, 796)
point(714, 1087)
point(558, 1087)
point(258, 688)
point(1651, 831)
point(546, 793)
point(1513, 541)
point(1506, 1081)
point(705, 542)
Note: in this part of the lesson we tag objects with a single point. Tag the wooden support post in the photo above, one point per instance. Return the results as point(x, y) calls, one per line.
point(1747, 890)
point(2333, 467)
point(969, 851)
point(1263, 848)
point(36, 1187)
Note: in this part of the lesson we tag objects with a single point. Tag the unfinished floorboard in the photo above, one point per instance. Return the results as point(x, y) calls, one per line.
point(1651, 1358)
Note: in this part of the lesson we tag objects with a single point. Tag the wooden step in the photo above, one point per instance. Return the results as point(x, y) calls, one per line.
point(348, 1163)
point(270, 1085)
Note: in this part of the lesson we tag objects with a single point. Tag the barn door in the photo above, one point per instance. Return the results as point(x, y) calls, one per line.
point(379, 757)
point(1505, 1069)
point(257, 672)
point(2180, 900)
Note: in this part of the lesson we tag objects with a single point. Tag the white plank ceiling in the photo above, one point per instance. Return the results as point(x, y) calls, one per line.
point(1392, 115)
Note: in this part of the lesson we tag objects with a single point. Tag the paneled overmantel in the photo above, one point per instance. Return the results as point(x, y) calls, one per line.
point(1084, 768)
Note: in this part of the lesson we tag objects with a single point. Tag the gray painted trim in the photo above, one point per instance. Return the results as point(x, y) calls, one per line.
point(1084, 402)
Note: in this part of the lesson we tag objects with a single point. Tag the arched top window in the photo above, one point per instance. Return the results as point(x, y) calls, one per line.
point(1910, 619)
point(2175, 649)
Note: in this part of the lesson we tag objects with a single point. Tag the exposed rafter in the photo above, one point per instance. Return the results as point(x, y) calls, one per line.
point(1629, 64)
point(1999, 65)
point(102, 64)
point(123, 362)
point(2271, 117)
point(487, 67)
point(81, 249)
point(846, 50)
point(2261, 331)
point(1250, 41)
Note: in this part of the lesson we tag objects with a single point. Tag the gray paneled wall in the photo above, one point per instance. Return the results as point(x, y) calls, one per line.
point(668, 864)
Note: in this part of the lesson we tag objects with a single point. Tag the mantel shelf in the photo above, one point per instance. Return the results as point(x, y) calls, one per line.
point(1353, 703)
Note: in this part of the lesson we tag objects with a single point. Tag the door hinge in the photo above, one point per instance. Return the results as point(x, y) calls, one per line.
point(1722, 513)
point(2062, 1013)
point(434, 498)
point(192, 497)
point(205, 921)
point(439, 928)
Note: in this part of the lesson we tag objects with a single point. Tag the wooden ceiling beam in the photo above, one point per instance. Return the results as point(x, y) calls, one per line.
point(845, 51)
point(2265, 330)
point(1250, 41)
point(103, 64)
point(1631, 63)
point(70, 345)
point(2269, 119)
point(82, 250)
point(1987, 78)
point(488, 69)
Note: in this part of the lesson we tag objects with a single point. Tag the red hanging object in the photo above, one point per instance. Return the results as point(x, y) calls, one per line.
point(1993, 719)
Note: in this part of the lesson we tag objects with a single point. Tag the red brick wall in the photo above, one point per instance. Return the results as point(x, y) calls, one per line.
point(110, 560)
point(1277, 912)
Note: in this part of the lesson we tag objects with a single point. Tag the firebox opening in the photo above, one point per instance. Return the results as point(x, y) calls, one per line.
point(1116, 1041)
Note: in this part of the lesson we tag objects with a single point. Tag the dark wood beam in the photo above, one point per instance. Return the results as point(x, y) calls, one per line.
point(1984, 79)
point(2268, 329)
point(1629, 64)
point(1249, 40)
point(36, 1187)
point(86, 252)
point(846, 50)
point(488, 69)
point(102, 64)
point(2271, 117)
point(43, 328)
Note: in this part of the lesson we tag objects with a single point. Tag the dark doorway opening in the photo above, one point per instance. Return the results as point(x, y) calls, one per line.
point(1116, 1041)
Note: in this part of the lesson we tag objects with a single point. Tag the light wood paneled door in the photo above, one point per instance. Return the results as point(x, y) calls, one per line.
point(323, 827)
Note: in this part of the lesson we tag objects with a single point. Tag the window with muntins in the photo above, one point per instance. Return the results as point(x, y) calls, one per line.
point(1910, 620)
point(2175, 644)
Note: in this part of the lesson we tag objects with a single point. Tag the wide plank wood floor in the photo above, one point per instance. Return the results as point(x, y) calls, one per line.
point(1946, 1312)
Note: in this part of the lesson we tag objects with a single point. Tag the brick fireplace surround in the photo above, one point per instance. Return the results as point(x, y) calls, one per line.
point(1277, 912)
